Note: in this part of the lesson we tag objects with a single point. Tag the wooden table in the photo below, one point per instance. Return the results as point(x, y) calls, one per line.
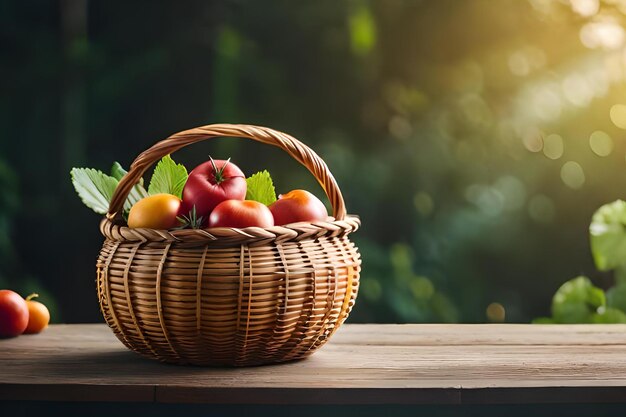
point(448, 367)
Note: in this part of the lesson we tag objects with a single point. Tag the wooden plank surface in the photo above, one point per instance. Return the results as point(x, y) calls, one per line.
point(363, 364)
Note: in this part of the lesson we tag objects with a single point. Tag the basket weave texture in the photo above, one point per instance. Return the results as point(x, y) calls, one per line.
point(227, 296)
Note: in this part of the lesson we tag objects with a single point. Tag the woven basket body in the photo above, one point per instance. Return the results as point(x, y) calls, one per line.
point(225, 296)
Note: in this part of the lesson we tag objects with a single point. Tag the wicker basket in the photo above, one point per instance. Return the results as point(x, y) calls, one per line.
point(226, 296)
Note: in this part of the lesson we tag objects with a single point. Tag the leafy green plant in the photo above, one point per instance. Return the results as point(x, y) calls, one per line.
point(95, 188)
point(578, 300)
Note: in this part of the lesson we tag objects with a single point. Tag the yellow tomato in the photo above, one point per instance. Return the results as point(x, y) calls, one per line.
point(297, 206)
point(157, 211)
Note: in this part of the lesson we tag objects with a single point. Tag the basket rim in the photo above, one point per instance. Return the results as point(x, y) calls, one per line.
point(294, 148)
point(220, 236)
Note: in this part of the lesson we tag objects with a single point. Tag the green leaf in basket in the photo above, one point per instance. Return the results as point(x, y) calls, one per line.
point(117, 171)
point(94, 188)
point(136, 193)
point(260, 187)
point(608, 235)
point(169, 177)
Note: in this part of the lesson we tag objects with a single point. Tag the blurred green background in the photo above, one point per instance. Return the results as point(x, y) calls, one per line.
point(474, 138)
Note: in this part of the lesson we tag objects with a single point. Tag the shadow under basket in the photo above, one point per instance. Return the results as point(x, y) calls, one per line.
point(227, 296)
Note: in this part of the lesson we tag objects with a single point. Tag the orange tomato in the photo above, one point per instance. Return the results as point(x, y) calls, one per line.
point(38, 315)
point(157, 211)
point(297, 206)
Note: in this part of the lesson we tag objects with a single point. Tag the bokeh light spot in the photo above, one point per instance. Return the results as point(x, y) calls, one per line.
point(618, 115)
point(475, 110)
point(371, 289)
point(424, 203)
point(533, 140)
point(598, 79)
point(577, 90)
point(573, 175)
point(541, 208)
point(605, 34)
point(496, 313)
point(553, 146)
point(513, 191)
point(547, 104)
point(518, 64)
point(601, 143)
point(401, 258)
point(362, 30)
point(488, 199)
point(585, 8)
point(422, 288)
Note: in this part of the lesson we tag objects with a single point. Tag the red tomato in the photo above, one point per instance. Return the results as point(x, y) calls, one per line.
point(38, 315)
point(297, 206)
point(157, 211)
point(211, 183)
point(236, 213)
point(13, 314)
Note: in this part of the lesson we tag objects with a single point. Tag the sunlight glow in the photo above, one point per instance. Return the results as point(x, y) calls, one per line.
point(606, 34)
point(577, 90)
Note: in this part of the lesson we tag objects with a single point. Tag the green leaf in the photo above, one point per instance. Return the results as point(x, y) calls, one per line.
point(577, 301)
point(261, 188)
point(117, 171)
point(609, 316)
point(608, 235)
point(169, 177)
point(136, 193)
point(620, 275)
point(94, 188)
point(616, 297)
point(543, 320)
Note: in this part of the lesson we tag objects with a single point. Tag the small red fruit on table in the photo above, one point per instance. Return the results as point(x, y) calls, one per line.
point(38, 315)
point(13, 314)
point(297, 206)
point(236, 213)
point(211, 183)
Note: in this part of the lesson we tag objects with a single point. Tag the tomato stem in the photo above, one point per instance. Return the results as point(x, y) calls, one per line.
point(30, 297)
point(219, 173)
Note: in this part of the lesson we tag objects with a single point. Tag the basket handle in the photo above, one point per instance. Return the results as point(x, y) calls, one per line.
point(296, 149)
